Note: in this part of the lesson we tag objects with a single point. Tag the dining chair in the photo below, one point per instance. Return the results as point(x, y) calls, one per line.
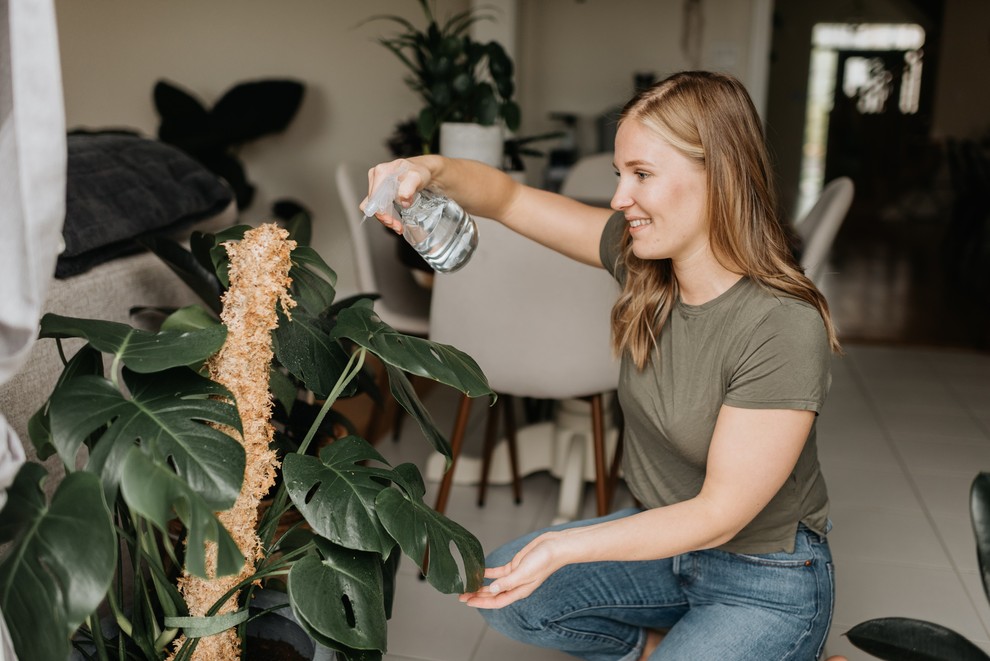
point(402, 302)
point(538, 324)
point(818, 227)
point(591, 179)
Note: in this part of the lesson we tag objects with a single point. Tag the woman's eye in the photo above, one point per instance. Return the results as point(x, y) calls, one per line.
point(642, 175)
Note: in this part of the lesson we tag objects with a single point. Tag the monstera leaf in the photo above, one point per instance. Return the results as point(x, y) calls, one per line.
point(165, 413)
point(141, 351)
point(338, 596)
point(905, 639)
point(979, 508)
point(62, 564)
point(440, 362)
point(336, 493)
point(153, 490)
point(423, 533)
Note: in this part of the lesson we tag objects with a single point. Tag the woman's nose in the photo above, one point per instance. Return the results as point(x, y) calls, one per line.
point(620, 200)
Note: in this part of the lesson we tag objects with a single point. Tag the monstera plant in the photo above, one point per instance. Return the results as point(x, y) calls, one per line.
point(140, 553)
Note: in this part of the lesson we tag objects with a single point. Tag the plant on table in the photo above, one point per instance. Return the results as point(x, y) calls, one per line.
point(457, 78)
point(177, 430)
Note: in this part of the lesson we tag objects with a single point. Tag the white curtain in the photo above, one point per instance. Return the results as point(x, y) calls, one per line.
point(32, 196)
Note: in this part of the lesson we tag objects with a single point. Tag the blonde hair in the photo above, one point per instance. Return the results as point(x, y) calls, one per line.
point(710, 118)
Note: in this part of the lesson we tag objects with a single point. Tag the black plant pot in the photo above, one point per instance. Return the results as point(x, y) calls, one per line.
point(281, 625)
point(278, 626)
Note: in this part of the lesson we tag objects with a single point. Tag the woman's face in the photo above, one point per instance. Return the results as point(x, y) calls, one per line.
point(662, 194)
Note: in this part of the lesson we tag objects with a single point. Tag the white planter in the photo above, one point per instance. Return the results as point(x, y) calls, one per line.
point(474, 141)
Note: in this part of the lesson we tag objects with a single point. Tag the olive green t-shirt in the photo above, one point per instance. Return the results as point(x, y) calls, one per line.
point(750, 347)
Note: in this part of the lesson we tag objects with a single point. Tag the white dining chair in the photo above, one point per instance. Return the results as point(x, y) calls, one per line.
point(591, 179)
point(403, 303)
point(538, 324)
point(818, 227)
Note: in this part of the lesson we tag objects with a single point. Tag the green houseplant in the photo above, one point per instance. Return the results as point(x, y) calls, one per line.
point(164, 464)
point(457, 78)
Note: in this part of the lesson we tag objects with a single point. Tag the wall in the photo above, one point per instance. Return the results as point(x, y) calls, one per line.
point(113, 52)
point(576, 56)
point(580, 57)
point(962, 98)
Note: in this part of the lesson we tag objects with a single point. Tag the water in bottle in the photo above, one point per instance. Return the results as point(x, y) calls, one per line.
point(439, 230)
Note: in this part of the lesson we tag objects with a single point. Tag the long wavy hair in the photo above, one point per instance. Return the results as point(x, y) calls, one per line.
point(710, 118)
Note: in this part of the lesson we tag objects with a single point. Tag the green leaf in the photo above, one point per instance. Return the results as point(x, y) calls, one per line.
point(336, 493)
point(154, 491)
point(141, 351)
point(440, 362)
point(86, 361)
point(486, 106)
point(512, 116)
point(283, 388)
point(417, 527)
point(58, 570)
point(979, 506)
point(304, 347)
point(190, 318)
point(407, 397)
point(218, 252)
point(165, 414)
point(313, 281)
point(905, 639)
point(338, 597)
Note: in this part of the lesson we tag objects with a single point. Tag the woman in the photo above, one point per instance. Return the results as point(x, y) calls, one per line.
point(725, 350)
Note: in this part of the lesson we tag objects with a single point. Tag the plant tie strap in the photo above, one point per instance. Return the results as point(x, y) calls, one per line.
point(201, 627)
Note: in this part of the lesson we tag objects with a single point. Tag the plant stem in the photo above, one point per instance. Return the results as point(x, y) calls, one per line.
point(97, 631)
point(351, 370)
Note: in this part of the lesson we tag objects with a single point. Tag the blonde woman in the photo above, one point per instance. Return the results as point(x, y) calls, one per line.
point(725, 349)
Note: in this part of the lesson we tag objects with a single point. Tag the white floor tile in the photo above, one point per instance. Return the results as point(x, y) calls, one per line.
point(956, 533)
point(428, 625)
point(949, 457)
point(852, 484)
point(885, 536)
point(944, 495)
point(868, 590)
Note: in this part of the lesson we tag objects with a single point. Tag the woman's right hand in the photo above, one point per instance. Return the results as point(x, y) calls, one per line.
point(413, 176)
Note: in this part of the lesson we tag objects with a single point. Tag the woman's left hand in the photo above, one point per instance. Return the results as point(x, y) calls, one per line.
point(518, 579)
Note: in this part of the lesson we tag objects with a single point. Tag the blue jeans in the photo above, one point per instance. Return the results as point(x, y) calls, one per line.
point(717, 606)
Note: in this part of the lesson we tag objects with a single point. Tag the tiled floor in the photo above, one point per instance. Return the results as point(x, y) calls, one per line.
point(902, 436)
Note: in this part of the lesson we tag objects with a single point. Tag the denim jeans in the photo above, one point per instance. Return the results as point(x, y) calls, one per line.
point(717, 606)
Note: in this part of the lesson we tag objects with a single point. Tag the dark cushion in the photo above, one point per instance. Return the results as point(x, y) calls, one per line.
point(121, 186)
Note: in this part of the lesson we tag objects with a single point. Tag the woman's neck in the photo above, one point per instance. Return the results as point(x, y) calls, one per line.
point(702, 280)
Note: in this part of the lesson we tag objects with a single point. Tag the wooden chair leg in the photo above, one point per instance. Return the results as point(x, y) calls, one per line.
point(507, 405)
point(601, 477)
point(491, 430)
point(510, 434)
point(456, 441)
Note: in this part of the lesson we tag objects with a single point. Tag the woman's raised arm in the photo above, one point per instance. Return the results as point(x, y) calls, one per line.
point(563, 224)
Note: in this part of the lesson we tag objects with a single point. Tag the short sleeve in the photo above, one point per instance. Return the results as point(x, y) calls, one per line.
point(786, 363)
point(610, 245)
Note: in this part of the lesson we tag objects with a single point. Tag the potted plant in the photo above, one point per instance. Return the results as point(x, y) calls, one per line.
point(173, 433)
point(463, 84)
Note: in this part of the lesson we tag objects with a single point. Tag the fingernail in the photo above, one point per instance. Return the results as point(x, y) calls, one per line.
point(494, 588)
